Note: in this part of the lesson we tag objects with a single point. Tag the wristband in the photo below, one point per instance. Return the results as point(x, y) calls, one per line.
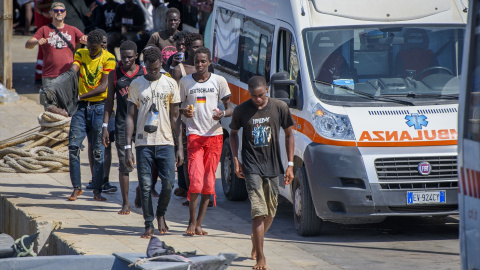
point(128, 147)
point(104, 125)
point(290, 164)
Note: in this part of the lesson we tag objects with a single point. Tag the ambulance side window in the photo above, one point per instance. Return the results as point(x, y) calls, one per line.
point(472, 105)
point(226, 41)
point(255, 41)
point(287, 58)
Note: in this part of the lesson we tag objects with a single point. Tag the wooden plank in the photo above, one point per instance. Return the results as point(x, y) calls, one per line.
point(6, 31)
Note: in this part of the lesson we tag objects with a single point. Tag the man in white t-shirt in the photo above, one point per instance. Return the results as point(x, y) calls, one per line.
point(155, 99)
point(200, 93)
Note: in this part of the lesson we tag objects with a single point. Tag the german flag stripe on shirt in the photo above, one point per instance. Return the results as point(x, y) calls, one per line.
point(201, 99)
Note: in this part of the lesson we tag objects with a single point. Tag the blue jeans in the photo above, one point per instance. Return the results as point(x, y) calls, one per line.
point(164, 158)
point(87, 120)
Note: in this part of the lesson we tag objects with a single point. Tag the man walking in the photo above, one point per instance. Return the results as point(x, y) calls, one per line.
point(201, 92)
point(164, 39)
point(94, 65)
point(261, 118)
point(156, 98)
point(118, 85)
point(57, 40)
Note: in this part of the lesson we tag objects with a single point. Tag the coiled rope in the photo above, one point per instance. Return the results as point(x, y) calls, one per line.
point(22, 250)
point(38, 150)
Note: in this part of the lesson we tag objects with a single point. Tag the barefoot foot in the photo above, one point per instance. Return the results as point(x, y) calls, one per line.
point(191, 228)
point(162, 225)
point(75, 194)
point(99, 197)
point(199, 231)
point(148, 233)
point(261, 263)
point(125, 209)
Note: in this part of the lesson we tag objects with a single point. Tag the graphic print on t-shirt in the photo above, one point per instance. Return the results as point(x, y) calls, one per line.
point(167, 52)
point(109, 16)
point(161, 99)
point(55, 41)
point(262, 134)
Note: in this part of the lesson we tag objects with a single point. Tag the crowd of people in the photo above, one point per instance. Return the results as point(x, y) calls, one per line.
point(164, 105)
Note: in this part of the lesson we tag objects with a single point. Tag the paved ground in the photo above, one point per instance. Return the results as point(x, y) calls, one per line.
point(95, 227)
point(92, 227)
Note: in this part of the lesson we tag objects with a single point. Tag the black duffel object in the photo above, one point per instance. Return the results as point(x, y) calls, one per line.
point(6, 246)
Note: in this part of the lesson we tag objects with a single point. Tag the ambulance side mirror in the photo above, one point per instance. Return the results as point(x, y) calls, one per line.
point(286, 90)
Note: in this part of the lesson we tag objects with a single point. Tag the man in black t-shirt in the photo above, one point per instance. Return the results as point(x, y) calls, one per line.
point(261, 118)
point(118, 84)
point(106, 16)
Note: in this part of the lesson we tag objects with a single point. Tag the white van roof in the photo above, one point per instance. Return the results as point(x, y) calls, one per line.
point(350, 12)
point(381, 10)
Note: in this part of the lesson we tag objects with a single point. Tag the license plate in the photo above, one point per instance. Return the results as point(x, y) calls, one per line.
point(427, 197)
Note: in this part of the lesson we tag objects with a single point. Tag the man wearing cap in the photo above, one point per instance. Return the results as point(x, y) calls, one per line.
point(58, 41)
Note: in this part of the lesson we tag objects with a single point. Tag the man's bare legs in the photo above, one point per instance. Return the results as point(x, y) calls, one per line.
point(195, 223)
point(123, 178)
point(260, 226)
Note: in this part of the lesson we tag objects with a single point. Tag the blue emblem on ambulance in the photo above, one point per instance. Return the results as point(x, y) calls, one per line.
point(416, 120)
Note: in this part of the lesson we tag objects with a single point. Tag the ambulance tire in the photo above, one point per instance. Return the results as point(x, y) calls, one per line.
point(233, 187)
point(307, 223)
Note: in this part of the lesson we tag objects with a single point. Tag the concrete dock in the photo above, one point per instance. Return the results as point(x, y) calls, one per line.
point(37, 202)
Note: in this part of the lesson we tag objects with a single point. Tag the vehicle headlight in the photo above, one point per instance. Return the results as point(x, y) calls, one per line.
point(332, 126)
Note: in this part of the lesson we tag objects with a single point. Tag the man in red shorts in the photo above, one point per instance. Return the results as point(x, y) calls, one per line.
point(200, 94)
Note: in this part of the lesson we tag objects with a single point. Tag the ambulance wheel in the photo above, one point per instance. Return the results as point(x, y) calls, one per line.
point(233, 187)
point(307, 223)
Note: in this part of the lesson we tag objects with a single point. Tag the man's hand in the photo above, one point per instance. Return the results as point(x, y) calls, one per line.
point(42, 41)
point(83, 39)
point(218, 114)
point(176, 60)
point(179, 157)
point(129, 158)
point(92, 6)
point(288, 176)
point(188, 112)
point(105, 137)
point(238, 168)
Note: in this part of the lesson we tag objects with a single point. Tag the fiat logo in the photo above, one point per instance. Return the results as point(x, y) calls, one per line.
point(424, 168)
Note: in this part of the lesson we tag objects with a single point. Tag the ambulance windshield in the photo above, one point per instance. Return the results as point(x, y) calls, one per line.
point(411, 61)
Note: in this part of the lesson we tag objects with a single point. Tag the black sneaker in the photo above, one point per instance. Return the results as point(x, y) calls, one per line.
point(90, 185)
point(107, 187)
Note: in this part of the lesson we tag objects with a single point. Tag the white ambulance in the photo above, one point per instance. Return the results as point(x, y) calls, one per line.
point(373, 88)
point(469, 144)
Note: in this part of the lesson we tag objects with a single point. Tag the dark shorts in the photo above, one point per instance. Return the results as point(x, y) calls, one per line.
point(122, 164)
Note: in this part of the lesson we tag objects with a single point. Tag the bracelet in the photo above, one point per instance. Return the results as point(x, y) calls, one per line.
point(104, 125)
point(128, 147)
point(290, 163)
